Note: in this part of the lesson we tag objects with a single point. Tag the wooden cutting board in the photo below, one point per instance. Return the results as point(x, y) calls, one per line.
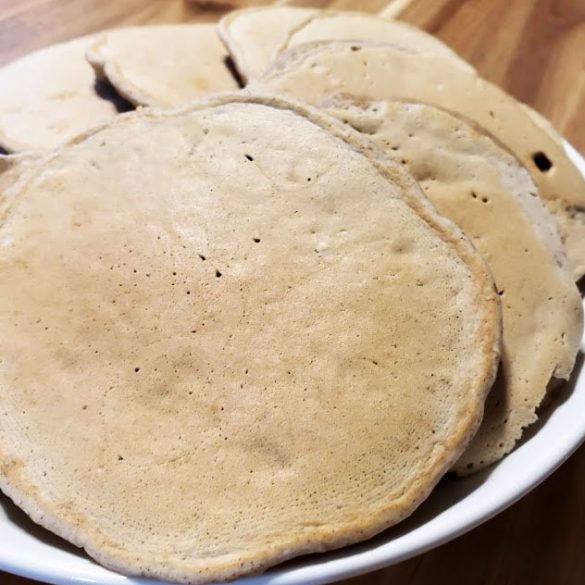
point(535, 49)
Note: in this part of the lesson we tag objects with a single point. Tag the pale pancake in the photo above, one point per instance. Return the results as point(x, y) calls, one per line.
point(253, 35)
point(235, 380)
point(165, 65)
point(49, 96)
point(381, 71)
point(330, 25)
point(491, 197)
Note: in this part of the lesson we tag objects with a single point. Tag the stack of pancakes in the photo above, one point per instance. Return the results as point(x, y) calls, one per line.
point(241, 327)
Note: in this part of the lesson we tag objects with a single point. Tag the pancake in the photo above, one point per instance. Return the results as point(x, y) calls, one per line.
point(165, 65)
point(491, 197)
point(380, 71)
point(343, 25)
point(252, 35)
point(235, 380)
point(50, 96)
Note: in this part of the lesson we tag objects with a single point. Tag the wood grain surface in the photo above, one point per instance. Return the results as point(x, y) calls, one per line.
point(535, 49)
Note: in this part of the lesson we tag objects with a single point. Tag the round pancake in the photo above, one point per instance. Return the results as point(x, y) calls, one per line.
point(49, 97)
point(330, 25)
point(197, 385)
point(255, 36)
point(380, 71)
point(163, 65)
point(491, 197)
point(252, 35)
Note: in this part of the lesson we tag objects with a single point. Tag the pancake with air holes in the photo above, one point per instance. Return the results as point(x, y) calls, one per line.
point(257, 342)
point(335, 25)
point(377, 71)
point(255, 36)
point(491, 197)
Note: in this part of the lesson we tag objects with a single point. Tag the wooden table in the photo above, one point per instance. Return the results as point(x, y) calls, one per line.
point(535, 49)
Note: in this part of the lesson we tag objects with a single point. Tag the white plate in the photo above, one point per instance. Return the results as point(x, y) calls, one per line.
point(455, 507)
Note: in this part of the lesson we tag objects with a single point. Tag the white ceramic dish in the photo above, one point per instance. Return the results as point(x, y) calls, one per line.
point(455, 507)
